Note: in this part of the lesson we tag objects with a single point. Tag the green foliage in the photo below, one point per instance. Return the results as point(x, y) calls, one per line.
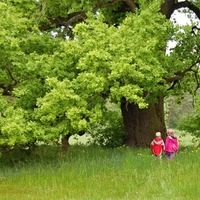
point(132, 67)
point(55, 86)
point(176, 110)
point(109, 131)
point(182, 57)
point(116, 14)
point(15, 129)
point(191, 122)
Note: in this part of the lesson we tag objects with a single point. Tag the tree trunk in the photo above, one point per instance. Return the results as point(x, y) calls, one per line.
point(168, 8)
point(65, 142)
point(142, 124)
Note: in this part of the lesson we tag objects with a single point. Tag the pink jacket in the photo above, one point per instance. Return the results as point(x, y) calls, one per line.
point(171, 144)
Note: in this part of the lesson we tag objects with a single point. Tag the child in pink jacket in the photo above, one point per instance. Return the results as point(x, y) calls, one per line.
point(171, 145)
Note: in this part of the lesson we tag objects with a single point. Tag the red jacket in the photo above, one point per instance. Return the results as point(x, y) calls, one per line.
point(157, 146)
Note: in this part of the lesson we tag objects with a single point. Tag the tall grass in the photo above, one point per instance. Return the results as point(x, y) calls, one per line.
point(93, 173)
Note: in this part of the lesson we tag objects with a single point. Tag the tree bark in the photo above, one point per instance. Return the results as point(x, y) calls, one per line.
point(167, 8)
point(65, 142)
point(142, 124)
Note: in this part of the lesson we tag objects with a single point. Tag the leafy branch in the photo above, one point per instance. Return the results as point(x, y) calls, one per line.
point(77, 17)
point(189, 5)
point(180, 75)
point(7, 89)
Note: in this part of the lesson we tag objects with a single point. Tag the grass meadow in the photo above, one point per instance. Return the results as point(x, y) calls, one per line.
point(94, 173)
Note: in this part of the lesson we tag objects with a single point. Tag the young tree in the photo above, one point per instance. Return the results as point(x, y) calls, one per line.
point(73, 56)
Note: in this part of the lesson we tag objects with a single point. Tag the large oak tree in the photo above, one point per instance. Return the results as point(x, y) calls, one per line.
point(61, 61)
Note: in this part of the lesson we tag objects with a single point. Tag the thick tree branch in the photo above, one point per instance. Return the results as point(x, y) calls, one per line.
point(196, 72)
point(11, 76)
point(61, 21)
point(180, 75)
point(169, 6)
point(132, 5)
point(7, 89)
point(81, 16)
point(189, 5)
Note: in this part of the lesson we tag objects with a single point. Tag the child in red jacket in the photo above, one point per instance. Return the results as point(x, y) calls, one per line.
point(158, 145)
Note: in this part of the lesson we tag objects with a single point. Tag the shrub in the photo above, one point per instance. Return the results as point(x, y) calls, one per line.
point(109, 131)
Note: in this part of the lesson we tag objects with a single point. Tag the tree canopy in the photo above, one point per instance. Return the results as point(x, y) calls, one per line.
point(62, 60)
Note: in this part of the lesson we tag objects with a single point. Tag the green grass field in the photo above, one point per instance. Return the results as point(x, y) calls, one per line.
point(93, 173)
